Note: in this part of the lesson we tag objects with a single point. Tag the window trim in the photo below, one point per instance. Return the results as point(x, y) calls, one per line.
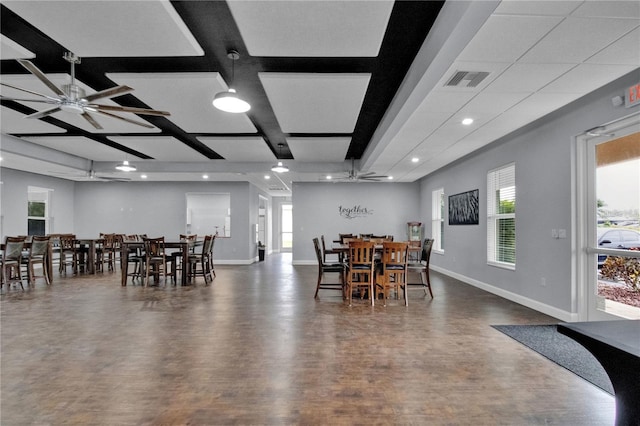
point(437, 219)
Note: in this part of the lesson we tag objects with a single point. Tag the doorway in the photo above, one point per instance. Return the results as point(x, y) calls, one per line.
point(286, 227)
point(608, 213)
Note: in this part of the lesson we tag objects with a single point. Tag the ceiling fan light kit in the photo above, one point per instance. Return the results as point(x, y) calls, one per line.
point(126, 167)
point(229, 101)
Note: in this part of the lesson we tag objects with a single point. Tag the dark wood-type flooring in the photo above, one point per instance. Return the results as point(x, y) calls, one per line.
point(255, 348)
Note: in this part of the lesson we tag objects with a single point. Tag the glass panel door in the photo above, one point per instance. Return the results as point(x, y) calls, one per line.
point(612, 234)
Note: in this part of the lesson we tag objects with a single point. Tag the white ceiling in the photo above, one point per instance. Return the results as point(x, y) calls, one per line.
point(540, 56)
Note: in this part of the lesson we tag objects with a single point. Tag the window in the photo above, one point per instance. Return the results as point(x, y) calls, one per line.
point(437, 219)
point(287, 226)
point(501, 217)
point(37, 211)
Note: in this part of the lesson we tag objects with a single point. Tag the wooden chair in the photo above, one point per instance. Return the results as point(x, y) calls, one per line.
point(323, 268)
point(393, 271)
point(329, 252)
point(360, 272)
point(422, 267)
point(69, 255)
point(106, 252)
point(155, 259)
point(38, 252)
point(11, 261)
point(201, 263)
point(342, 237)
point(135, 256)
point(176, 260)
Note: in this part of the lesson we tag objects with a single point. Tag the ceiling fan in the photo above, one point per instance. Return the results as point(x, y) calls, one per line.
point(72, 98)
point(353, 176)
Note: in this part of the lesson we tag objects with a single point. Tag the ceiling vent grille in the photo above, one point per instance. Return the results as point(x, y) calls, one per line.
point(466, 78)
point(277, 188)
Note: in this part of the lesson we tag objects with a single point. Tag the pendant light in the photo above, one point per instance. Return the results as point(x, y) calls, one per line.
point(126, 167)
point(229, 101)
point(280, 168)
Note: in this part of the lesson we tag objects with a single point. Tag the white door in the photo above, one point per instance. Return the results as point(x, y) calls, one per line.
point(608, 209)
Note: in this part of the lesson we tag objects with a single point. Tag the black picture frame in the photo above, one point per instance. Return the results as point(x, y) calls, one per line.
point(464, 208)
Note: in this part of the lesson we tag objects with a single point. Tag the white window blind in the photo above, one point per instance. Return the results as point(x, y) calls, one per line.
point(501, 217)
point(437, 219)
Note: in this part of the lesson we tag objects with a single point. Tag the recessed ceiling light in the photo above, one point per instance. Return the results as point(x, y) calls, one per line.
point(205, 176)
point(143, 176)
point(415, 159)
point(267, 177)
point(329, 177)
point(390, 177)
point(467, 121)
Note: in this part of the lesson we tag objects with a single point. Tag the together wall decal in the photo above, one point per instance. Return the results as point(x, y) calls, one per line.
point(354, 212)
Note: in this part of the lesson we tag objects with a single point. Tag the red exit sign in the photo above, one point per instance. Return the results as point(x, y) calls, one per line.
point(633, 96)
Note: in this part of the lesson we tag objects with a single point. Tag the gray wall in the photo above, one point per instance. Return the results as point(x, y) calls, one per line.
point(543, 156)
point(152, 208)
point(315, 212)
point(13, 202)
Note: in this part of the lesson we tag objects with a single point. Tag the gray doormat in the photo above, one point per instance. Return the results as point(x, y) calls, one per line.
point(560, 349)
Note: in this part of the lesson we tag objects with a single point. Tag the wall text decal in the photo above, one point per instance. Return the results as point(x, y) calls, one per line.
point(354, 212)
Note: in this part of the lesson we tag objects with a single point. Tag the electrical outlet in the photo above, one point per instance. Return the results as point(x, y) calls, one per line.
point(554, 233)
point(562, 233)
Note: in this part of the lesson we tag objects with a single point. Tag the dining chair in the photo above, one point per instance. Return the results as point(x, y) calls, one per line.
point(422, 267)
point(155, 259)
point(11, 261)
point(200, 263)
point(37, 255)
point(323, 268)
point(392, 271)
point(69, 255)
point(135, 256)
point(176, 262)
point(329, 252)
point(106, 252)
point(360, 272)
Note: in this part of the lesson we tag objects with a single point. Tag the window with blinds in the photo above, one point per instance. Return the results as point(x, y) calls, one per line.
point(501, 217)
point(437, 219)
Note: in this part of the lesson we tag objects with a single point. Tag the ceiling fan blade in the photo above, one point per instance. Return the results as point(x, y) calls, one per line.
point(42, 101)
point(43, 113)
point(91, 120)
point(29, 91)
point(43, 78)
point(107, 93)
point(128, 120)
point(366, 174)
point(142, 111)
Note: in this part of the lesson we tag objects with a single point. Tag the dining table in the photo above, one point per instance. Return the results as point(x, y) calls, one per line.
point(128, 246)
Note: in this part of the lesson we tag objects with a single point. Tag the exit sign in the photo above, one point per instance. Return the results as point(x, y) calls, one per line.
point(632, 97)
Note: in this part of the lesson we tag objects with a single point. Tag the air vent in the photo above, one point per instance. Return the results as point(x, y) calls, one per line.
point(466, 78)
point(277, 188)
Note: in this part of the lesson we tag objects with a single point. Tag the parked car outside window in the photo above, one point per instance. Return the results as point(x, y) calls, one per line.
point(616, 238)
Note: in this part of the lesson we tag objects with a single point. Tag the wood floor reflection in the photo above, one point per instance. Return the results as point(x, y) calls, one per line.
point(256, 348)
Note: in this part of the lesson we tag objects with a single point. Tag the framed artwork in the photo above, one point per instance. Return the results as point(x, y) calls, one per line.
point(464, 208)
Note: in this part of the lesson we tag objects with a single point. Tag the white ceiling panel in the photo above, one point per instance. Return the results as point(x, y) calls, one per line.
point(491, 103)
point(12, 121)
point(316, 103)
point(535, 7)
point(625, 51)
point(188, 97)
point(312, 28)
point(524, 32)
point(245, 149)
point(586, 77)
point(111, 28)
point(319, 149)
point(527, 77)
point(79, 146)
point(162, 148)
point(110, 125)
point(609, 9)
point(9, 49)
point(577, 39)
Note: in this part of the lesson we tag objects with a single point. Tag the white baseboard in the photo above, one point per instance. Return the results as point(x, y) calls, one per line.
point(305, 262)
point(522, 300)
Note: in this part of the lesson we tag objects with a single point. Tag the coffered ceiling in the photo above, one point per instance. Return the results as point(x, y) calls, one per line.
point(327, 81)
